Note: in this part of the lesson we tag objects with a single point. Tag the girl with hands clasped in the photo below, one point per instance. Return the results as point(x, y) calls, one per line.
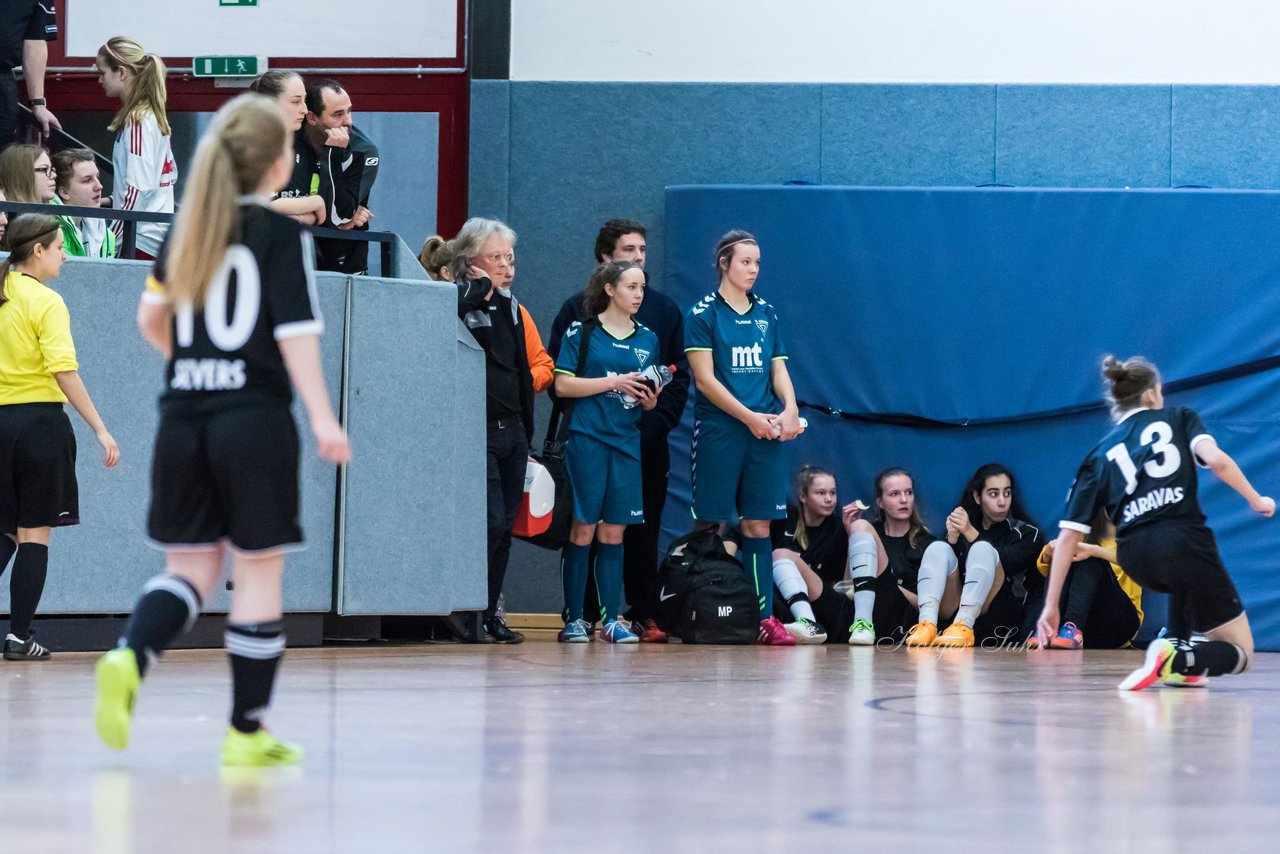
point(602, 452)
point(990, 534)
point(745, 403)
point(38, 374)
point(1142, 474)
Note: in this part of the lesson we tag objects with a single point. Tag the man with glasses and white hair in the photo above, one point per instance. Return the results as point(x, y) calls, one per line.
point(483, 252)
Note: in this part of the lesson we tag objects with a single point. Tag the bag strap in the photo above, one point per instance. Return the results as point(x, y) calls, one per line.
point(556, 431)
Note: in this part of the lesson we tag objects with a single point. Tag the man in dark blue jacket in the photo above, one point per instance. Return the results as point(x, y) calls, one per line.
point(624, 240)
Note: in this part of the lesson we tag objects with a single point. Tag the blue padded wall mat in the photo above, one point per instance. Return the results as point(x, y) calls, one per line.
point(955, 304)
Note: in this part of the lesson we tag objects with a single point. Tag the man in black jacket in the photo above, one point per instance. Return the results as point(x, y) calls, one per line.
point(334, 159)
point(483, 251)
point(624, 240)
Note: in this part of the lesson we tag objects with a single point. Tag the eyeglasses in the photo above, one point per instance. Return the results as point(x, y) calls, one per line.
point(47, 170)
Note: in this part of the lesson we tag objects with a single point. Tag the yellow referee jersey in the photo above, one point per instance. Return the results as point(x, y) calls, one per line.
point(35, 342)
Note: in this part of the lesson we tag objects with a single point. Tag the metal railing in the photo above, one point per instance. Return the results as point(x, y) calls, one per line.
point(27, 129)
point(386, 240)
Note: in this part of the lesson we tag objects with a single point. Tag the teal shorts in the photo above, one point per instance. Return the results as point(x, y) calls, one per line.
point(735, 475)
point(606, 482)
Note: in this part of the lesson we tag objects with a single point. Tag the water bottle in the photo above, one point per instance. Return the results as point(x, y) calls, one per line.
point(657, 376)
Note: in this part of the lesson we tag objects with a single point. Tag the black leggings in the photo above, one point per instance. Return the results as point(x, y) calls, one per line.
point(1093, 599)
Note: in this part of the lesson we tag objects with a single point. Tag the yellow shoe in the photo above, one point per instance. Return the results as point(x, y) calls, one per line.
point(922, 634)
point(118, 680)
point(957, 635)
point(258, 749)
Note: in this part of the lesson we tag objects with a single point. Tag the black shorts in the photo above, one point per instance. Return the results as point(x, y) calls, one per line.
point(227, 475)
point(1182, 558)
point(37, 468)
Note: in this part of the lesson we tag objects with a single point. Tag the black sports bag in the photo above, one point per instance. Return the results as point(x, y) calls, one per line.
point(705, 594)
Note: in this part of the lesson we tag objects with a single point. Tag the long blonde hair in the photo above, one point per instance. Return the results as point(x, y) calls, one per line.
point(147, 93)
point(18, 173)
point(242, 143)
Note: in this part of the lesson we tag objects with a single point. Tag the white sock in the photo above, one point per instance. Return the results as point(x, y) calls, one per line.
point(862, 571)
point(938, 562)
point(979, 573)
point(787, 578)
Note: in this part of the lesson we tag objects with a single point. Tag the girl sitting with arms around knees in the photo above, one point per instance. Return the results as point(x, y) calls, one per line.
point(829, 568)
point(991, 535)
point(602, 453)
point(745, 407)
point(1098, 598)
point(904, 538)
point(1142, 474)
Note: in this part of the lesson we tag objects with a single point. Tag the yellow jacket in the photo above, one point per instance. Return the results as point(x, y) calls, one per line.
point(1130, 587)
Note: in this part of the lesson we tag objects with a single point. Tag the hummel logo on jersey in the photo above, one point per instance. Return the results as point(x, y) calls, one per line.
point(643, 356)
point(573, 330)
point(371, 161)
point(702, 306)
point(663, 595)
point(763, 326)
point(748, 357)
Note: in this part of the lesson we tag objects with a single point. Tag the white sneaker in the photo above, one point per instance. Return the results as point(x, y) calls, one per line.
point(806, 631)
point(862, 633)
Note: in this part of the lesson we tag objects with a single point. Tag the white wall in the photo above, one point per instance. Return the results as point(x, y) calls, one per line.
point(409, 29)
point(908, 41)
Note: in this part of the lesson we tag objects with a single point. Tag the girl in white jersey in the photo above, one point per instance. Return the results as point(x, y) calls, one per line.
point(145, 172)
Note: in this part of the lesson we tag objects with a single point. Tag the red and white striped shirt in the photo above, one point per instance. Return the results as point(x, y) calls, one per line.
point(145, 174)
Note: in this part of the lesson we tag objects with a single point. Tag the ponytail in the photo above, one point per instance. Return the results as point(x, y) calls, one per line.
point(1127, 380)
point(804, 480)
point(242, 143)
point(25, 233)
point(147, 92)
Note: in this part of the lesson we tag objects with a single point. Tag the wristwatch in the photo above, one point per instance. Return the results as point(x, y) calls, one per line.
point(39, 102)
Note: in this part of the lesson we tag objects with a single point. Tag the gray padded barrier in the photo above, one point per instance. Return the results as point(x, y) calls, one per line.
point(99, 565)
point(414, 496)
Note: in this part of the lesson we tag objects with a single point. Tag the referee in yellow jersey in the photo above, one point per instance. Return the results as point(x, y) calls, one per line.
point(37, 447)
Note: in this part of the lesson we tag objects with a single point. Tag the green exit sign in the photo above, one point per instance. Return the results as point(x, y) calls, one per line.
point(228, 66)
point(237, 2)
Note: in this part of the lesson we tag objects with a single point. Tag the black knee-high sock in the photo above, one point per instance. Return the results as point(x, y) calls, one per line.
point(1078, 598)
point(166, 610)
point(1209, 658)
point(255, 651)
point(26, 585)
point(7, 548)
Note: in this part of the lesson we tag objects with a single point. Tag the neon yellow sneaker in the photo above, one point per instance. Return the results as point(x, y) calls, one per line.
point(259, 749)
point(1157, 665)
point(118, 680)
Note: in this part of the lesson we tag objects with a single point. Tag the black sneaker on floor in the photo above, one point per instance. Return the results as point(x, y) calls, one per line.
point(498, 631)
point(16, 649)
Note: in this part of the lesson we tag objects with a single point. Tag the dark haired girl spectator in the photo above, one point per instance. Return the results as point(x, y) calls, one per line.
point(27, 174)
point(289, 92)
point(38, 374)
point(144, 172)
point(1142, 474)
point(603, 449)
point(746, 405)
point(990, 534)
point(1101, 605)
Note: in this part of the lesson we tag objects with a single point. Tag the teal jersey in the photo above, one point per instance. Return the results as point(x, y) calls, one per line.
point(606, 417)
point(743, 349)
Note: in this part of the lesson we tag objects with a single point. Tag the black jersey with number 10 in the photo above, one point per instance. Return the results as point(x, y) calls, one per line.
point(226, 352)
point(1142, 472)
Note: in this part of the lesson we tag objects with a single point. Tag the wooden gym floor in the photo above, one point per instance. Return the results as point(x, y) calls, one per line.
point(549, 748)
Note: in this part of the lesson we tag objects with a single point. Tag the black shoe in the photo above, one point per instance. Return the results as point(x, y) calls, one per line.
point(499, 632)
point(26, 650)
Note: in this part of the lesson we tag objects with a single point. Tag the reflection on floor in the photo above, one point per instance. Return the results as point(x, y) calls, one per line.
point(544, 747)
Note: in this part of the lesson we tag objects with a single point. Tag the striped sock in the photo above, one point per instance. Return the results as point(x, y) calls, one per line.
point(255, 651)
point(166, 610)
point(757, 557)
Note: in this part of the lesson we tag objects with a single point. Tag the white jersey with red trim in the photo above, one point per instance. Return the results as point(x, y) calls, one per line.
point(145, 174)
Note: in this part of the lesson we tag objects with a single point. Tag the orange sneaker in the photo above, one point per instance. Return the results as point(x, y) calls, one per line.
point(957, 635)
point(922, 634)
point(649, 631)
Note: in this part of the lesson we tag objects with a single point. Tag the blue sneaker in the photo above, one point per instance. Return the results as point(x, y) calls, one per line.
point(574, 632)
point(617, 631)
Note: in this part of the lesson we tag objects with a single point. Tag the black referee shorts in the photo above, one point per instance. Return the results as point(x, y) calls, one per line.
point(227, 475)
point(37, 468)
point(1171, 557)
